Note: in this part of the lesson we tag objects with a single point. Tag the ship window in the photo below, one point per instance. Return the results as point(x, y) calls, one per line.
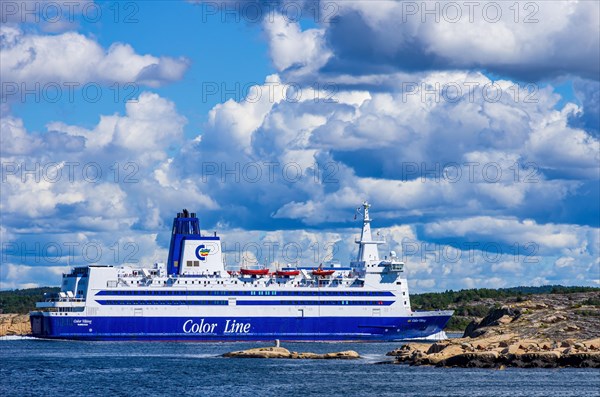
point(190, 263)
point(196, 263)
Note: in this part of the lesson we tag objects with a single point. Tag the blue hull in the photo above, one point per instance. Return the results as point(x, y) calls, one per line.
point(236, 329)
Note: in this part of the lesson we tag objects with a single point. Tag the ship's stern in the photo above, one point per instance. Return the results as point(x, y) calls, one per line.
point(39, 325)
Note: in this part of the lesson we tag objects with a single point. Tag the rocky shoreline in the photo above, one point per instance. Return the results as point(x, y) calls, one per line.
point(546, 331)
point(280, 352)
point(499, 352)
point(14, 324)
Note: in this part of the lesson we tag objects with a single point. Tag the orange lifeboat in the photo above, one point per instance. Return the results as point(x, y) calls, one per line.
point(322, 273)
point(255, 272)
point(287, 273)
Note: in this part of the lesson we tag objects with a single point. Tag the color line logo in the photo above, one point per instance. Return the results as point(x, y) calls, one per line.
point(202, 252)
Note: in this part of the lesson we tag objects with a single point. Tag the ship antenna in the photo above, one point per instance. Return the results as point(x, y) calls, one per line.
point(357, 212)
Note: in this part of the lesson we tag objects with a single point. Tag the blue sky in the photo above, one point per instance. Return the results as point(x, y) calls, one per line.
point(213, 49)
point(476, 143)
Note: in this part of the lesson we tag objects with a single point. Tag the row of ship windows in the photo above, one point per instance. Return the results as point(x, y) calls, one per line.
point(139, 303)
point(252, 293)
point(223, 302)
point(321, 303)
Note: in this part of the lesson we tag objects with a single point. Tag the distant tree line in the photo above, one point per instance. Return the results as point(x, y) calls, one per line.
point(461, 299)
point(23, 300)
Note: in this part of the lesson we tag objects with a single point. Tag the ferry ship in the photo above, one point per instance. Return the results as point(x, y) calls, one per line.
point(193, 297)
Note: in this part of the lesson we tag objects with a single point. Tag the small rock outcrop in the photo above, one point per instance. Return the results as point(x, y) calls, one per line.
point(495, 317)
point(14, 324)
point(280, 352)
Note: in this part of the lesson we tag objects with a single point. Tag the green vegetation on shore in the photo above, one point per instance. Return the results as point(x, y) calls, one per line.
point(22, 301)
point(462, 299)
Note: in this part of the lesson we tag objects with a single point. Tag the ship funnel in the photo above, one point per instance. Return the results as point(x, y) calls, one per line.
point(185, 226)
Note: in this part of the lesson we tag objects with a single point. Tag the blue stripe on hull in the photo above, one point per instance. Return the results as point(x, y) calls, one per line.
point(236, 328)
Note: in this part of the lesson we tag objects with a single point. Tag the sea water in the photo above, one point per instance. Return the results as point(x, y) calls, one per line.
point(31, 367)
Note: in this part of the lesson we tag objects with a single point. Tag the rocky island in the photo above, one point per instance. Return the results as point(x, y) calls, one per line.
point(280, 352)
point(545, 331)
